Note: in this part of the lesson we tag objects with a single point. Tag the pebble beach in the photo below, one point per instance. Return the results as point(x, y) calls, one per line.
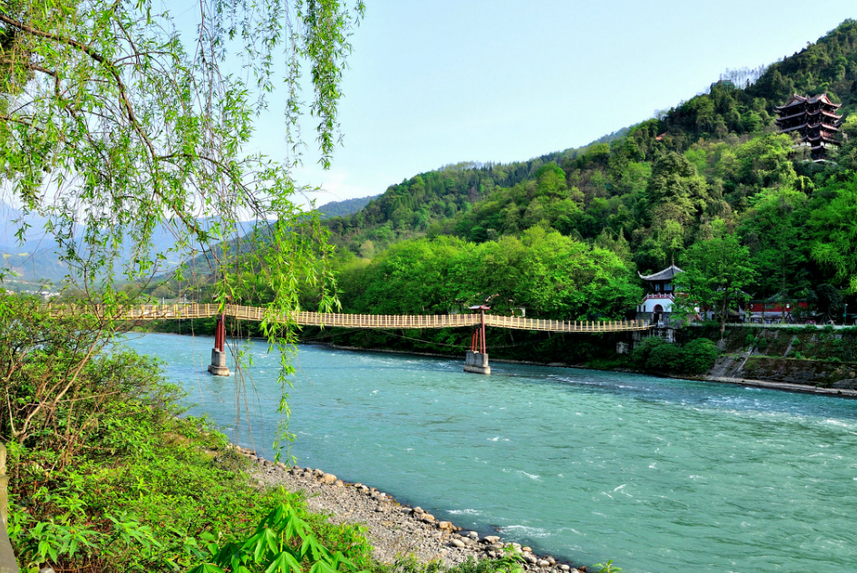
point(394, 530)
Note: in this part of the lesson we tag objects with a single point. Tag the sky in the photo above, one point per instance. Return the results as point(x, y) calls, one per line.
point(446, 81)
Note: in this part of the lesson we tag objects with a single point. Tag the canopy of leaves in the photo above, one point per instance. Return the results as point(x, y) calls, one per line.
point(653, 191)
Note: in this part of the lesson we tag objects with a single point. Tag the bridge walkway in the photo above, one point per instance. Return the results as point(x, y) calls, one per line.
point(374, 321)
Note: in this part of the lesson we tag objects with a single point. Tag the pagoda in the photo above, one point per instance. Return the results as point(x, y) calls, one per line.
point(657, 305)
point(815, 119)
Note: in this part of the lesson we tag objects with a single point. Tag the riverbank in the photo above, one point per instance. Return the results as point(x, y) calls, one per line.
point(793, 359)
point(395, 531)
point(749, 382)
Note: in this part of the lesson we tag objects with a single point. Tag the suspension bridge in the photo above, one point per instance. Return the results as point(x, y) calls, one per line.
point(476, 359)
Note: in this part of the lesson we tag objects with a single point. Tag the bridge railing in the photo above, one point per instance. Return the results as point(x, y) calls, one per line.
point(521, 323)
point(375, 321)
point(138, 312)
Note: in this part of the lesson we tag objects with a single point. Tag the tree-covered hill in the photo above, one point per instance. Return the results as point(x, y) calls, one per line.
point(345, 207)
point(828, 66)
point(711, 165)
point(725, 113)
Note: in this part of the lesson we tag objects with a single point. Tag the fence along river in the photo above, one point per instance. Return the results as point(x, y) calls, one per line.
point(660, 475)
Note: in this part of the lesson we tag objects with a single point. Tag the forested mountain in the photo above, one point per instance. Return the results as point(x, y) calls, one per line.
point(346, 207)
point(711, 166)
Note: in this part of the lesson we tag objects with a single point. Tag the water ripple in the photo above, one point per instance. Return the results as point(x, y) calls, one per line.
point(660, 475)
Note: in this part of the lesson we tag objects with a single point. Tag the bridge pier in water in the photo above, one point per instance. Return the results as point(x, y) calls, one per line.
point(476, 359)
point(218, 365)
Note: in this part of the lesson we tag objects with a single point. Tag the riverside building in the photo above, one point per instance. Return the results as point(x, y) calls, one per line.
point(657, 305)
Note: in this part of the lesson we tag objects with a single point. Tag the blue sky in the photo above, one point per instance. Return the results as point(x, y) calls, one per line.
point(439, 82)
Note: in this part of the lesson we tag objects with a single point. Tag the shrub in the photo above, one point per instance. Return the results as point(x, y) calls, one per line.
point(640, 355)
point(657, 355)
point(103, 475)
point(699, 356)
point(666, 358)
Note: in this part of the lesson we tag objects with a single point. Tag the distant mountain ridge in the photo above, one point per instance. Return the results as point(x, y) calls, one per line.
point(345, 207)
point(36, 258)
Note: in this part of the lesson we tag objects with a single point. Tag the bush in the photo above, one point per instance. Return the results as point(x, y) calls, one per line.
point(103, 475)
point(640, 355)
point(657, 355)
point(666, 358)
point(699, 356)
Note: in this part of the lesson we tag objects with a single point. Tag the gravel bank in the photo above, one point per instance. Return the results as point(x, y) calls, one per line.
point(393, 529)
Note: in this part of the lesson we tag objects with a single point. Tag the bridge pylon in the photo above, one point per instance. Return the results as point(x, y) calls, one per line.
point(218, 365)
point(476, 359)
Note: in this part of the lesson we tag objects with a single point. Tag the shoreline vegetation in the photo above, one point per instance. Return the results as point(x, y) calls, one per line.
point(714, 374)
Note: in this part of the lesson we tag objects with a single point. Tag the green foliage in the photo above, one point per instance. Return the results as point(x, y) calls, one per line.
point(834, 227)
point(657, 355)
point(283, 542)
point(607, 567)
point(699, 355)
point(162, 141)
point(104, 476)
point(716, 272)
point(544, 272)
point(652, 192)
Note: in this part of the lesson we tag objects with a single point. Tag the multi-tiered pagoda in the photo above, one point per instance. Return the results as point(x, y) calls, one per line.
point(815, 119)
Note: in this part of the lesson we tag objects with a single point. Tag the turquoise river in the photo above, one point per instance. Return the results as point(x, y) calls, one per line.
point(660, 475)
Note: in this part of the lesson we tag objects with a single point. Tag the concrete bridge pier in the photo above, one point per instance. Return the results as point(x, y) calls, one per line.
point(476, 363)
point(476, 359)
point(218, 365)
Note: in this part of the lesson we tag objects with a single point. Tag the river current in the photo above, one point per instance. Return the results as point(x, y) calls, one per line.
point(660, 475)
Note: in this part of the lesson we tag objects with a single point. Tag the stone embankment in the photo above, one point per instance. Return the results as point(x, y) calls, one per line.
point(393, 529)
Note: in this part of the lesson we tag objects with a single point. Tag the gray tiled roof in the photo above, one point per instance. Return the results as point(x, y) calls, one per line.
point(663, 275)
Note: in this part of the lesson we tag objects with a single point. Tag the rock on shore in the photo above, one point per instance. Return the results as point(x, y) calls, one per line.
point(394, 530)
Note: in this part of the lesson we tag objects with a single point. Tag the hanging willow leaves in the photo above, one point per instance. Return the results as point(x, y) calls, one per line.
point(113, 123)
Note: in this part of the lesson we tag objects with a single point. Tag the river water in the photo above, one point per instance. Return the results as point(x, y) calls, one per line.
point(660, 475)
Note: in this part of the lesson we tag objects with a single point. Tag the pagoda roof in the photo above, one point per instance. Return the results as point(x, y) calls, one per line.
point(803, 113)
point(800, 100)
point(823, 126)
point(663, 275)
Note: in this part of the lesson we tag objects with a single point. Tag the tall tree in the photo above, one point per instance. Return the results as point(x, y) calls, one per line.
point(716, 271)
point(109, 127)
point(774, 233)
point(674, 198)
point(834, 228)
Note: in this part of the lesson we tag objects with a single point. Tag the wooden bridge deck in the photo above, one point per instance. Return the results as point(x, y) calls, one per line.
point(375, 321)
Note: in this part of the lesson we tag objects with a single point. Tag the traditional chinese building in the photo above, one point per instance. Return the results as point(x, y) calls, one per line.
point(815, 119)
point(657, 304)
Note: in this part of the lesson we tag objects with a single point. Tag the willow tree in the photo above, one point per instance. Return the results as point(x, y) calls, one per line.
point(113, 121)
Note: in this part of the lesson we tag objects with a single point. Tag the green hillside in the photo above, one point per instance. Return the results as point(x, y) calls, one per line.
point(345, 207)
point(711, 169)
